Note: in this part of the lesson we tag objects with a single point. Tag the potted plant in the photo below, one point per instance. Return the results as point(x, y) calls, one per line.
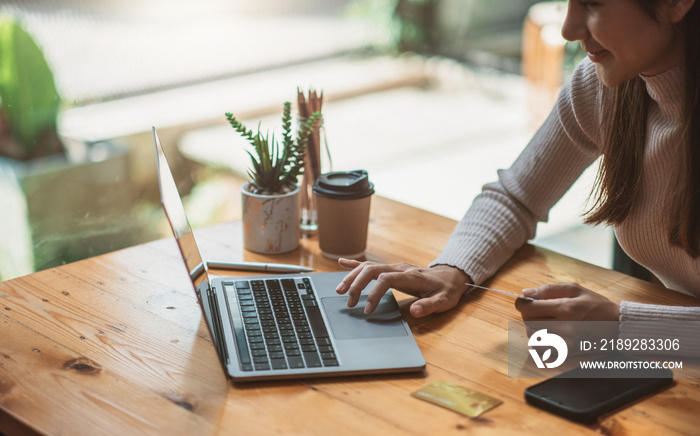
point(270, 199)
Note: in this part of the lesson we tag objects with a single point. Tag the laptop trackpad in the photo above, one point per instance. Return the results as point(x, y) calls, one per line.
point(352, 323)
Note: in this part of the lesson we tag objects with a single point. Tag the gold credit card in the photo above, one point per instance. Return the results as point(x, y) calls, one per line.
point(458, 398)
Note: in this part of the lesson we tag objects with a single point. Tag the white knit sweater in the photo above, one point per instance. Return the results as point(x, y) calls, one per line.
point(504, 216)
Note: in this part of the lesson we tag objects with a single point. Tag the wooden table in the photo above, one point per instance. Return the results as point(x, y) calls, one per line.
point(116, 345)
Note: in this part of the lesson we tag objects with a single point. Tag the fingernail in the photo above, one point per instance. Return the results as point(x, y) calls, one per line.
point(529, 292)
point(418, 311)
point(369, 308)
point(341, 288)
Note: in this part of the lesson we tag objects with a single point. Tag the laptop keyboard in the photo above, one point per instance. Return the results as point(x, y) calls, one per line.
point(279, 325)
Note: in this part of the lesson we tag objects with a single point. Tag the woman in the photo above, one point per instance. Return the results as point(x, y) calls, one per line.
point(635, 100)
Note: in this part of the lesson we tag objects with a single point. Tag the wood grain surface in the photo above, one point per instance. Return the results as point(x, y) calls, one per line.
point(115, 345)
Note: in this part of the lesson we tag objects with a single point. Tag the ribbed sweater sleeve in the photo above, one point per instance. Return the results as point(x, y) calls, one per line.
point(653, 321)
point(631, 311)
point(505, 214)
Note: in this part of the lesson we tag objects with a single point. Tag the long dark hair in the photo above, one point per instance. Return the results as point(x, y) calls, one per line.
point(620, 172)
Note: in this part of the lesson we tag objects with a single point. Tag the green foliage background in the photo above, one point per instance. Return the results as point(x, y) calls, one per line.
point(28, 93)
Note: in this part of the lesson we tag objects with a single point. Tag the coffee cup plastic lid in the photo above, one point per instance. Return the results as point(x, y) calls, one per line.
point(344, 185)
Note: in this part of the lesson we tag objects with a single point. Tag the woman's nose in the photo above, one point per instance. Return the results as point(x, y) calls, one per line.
point(574, 28)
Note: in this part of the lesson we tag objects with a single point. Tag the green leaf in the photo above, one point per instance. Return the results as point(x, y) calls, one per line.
point(277, 164)
point(27, 88)
point(287, 125)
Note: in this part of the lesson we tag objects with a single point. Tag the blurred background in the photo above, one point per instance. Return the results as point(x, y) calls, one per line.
point(431, 97)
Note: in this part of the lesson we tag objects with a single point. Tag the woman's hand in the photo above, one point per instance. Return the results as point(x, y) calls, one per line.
point(566, 302)
point(438, 288)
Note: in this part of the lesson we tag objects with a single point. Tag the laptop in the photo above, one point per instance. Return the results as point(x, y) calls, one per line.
point(284, 326)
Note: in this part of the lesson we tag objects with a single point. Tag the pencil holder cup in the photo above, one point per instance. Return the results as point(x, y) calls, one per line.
point(317, 159)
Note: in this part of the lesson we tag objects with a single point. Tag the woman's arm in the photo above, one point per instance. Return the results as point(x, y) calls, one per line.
point(505, 214)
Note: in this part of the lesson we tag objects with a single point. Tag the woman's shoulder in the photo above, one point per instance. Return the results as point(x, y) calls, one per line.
point(583, 99)
point(585, 71)
point(584, 83)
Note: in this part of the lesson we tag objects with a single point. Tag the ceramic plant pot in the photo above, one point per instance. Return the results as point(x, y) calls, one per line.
point(270, 222)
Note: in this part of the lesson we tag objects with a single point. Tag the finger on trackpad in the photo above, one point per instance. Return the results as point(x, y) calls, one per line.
point(352, 323)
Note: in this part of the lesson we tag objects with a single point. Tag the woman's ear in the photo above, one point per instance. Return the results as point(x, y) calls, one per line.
point(676, 10)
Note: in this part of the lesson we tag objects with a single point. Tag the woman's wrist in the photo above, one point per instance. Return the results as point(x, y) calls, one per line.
point(458, 277)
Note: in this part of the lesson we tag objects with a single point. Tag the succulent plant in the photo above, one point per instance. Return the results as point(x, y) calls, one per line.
point(276, 166)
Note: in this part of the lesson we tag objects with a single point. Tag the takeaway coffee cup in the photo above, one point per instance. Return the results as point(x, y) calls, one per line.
point(342, 202)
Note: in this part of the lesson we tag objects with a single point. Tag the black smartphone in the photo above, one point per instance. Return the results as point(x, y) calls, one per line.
point(585, 399)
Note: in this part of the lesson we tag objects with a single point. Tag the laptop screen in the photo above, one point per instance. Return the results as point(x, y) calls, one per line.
point(172, 203)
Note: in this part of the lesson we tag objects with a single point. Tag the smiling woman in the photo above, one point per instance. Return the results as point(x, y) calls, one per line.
point(635, 102)
point(627, 38)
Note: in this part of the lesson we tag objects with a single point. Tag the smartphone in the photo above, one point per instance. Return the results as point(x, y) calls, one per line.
point(585, 399)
